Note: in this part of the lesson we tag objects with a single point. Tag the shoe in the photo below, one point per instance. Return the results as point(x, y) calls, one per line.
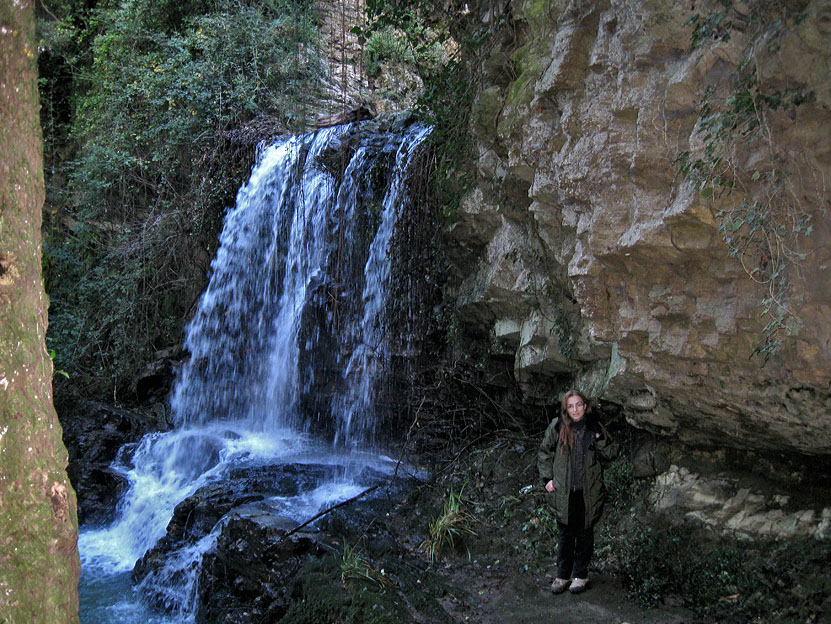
point(578, 585)
point(559, 585)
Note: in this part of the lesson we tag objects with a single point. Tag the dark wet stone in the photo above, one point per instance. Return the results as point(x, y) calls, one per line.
point(262, 564)
point(259, 571)
point(94, 433)
point(196, 516)
point(249, 575)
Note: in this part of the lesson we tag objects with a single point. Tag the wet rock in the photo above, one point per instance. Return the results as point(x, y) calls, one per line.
point(360, 519)
point(260, 570)
point(231, 551)
point(249, 575)
point(154, 381)
point(93, 433)
point(199, 514)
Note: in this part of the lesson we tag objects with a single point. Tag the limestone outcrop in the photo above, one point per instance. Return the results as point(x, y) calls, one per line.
point(597, 244)
point(721, 503)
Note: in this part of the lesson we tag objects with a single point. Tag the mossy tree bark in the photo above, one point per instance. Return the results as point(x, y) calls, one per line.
point(39, 563)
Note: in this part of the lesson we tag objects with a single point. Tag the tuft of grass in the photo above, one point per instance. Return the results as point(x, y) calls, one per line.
point(354, 567)
point(450, 528)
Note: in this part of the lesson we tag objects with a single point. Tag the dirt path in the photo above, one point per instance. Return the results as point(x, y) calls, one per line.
point(494, 597)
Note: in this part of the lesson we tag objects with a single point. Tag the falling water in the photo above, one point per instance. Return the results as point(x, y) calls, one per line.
point(286, 349)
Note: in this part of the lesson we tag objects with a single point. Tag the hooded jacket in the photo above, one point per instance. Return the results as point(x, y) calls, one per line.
point(554, 464)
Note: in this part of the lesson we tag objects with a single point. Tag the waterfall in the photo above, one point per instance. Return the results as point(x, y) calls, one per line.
point(367, 330)
point(286, 347)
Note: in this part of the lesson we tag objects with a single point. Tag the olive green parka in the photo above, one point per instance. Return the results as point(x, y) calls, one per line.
point(553, 463)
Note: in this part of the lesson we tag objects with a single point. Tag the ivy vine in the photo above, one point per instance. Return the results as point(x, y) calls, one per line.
point(756, 201)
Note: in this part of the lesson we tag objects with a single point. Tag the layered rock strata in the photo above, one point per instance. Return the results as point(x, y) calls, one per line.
point(721, 503)
point(587, 252)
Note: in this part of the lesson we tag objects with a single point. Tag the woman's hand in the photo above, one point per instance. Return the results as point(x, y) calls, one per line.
point(549, 487)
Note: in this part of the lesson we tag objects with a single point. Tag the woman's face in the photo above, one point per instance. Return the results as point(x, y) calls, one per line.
point(576, 408)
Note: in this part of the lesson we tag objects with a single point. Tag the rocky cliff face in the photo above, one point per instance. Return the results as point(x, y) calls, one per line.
point(588, 250)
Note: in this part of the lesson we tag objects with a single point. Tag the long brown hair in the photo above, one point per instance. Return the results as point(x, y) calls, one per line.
point(567, 430)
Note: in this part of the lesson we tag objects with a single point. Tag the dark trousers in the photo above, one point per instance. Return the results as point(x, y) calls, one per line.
point(575, 542)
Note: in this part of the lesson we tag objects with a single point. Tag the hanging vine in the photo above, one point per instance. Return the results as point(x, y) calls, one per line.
point(755, 186)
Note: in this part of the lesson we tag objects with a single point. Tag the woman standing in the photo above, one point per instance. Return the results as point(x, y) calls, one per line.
point(569, 464)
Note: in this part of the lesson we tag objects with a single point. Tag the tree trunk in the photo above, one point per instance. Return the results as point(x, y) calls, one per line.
point(39, 564)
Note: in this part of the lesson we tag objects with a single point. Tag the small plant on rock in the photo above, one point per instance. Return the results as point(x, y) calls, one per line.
point(451, 526)
point(540, 530)
point(354, 567)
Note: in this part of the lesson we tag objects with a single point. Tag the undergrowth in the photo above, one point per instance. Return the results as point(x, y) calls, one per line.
point(721, 577)
point(449, 529)
point(355, 567)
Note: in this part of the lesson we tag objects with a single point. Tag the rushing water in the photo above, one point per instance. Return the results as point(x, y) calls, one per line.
point(287, 347)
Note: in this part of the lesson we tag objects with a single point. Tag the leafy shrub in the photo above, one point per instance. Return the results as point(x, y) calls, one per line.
point(762, 580)
point(385, 46)
point(619, 479)
point(144, 155)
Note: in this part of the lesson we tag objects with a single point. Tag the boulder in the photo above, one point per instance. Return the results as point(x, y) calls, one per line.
point(231, 552)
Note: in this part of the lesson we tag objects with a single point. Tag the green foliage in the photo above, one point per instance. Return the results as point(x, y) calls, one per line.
point(650, 559)
point(385, 46)
point(58, 371)
point(763, 580)
point(101, 345)
point(722, 577)
point(756, 201)
point(389, 46)
point(719, 23)
point(148, 110)
point(446, 104)
point(539, 532)
point(450, 527)
point(152, 94)
point(566, 334)
point(619, 479)
point(715, 26)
